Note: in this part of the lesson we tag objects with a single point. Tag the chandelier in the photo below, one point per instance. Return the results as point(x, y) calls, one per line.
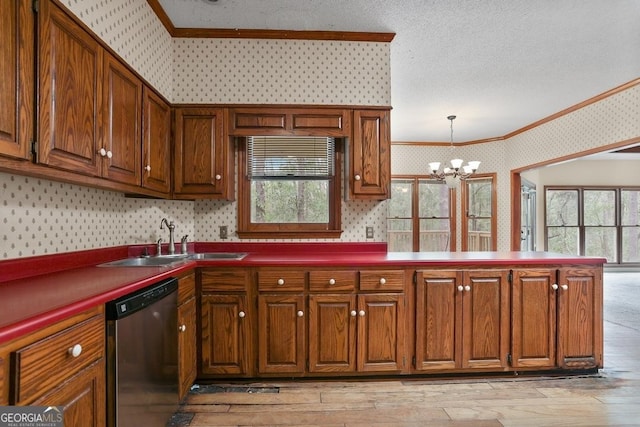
point(456, 172)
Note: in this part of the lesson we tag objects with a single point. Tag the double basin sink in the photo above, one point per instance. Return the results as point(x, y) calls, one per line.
point(169, 260)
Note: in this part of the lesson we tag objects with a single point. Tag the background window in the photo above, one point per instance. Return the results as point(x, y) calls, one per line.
point(479, 206)
point(601, 222)
point(419, 217)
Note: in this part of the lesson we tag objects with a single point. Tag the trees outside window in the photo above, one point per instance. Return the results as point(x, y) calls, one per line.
point(602, 222)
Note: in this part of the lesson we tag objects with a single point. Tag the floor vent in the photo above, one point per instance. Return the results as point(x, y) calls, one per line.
point(210, 388)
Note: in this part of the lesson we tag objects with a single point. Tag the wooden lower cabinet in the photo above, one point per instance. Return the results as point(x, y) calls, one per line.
point(462, 320)
point(187, 334)
point(60, 365)
point(381, 332)
point(281, 334)
point(533, 324)
point(82, 398)
point(580, 322)
point(557, 318)
point(226, 319)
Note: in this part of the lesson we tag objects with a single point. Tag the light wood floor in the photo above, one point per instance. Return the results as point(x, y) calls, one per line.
point(610, 398)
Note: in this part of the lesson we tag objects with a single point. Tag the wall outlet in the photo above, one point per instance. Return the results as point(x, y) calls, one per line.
point(224, 232)
point(369, 232)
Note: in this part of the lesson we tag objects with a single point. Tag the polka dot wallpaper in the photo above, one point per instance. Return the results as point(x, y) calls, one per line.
point(248, 71)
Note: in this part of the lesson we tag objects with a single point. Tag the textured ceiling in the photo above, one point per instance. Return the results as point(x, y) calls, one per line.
point(499, 65)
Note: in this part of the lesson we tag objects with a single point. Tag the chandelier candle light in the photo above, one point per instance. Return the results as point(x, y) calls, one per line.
point(452, 175)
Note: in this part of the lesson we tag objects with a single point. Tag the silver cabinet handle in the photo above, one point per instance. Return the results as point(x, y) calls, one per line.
point(357, 177)
point(182, 328)
point(280, 282)
point(554, 286)
point(300, 313)
point(361, 313)
point(242, 314)
point(564, 287)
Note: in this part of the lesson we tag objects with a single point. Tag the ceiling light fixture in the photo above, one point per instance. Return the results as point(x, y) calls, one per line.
point(452, 175)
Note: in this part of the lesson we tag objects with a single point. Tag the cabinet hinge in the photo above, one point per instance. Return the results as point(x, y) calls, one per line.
point(404, 361)
point(413, 360)
point(36, 5)
point(511, 276)
point(415, 277)
point(34, 151)
point(509, 359)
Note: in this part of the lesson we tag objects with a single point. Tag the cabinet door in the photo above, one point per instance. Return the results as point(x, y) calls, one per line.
point(381, 332)
point(70, 94)
point(82, 398)
point(281, 336)
point(485, 319)
point(533, 321)
point(121, 131)
point(438, 326)
point(225, 334)
point(17, 82)
point(332, 333)
point(203, 158)
point(580, 321)
point(156, 142)
point(370, 157)
point(187, 349)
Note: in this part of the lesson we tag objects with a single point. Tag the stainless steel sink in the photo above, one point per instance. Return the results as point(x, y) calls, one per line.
point(155, 261)
point(219, 255)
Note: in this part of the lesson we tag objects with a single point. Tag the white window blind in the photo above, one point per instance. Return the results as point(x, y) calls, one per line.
point(281, 157)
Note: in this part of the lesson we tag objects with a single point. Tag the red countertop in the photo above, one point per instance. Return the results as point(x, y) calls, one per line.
point(38, 291)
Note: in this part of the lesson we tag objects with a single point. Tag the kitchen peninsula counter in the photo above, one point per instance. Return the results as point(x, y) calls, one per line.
point(38, 291)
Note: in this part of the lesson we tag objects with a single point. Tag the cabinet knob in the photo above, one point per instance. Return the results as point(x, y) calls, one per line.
point(182, 328)
point(75, 350)
point(467, 288)
point(332, 281)
point(242, 314)
point(382, 280)
point(109, 154)
point(554, 286)
point(357, 177)
point(102, 152)
point(147, 168)
point(300, 313)
point(218, 177)
point(280, 282)
point(564, 287)
point(353, 313)
point(361, 313)
point(460, 288)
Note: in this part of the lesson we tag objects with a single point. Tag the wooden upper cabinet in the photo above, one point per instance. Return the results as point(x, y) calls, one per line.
point(580, 330)
point(122, 123)
point(203, 155)
point(332, 122)
point(70, 93)
point(156, 142)
point(370, 155)
point(17, 92)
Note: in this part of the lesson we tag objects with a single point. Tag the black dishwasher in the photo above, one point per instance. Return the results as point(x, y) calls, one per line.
point(142, 356)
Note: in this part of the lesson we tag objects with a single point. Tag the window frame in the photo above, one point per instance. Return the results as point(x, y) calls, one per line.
point(582, 228)
point(464, 184)
point(249, 230)
point(415, 210)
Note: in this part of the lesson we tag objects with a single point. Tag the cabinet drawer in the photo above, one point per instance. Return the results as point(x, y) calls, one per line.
point(186, 288)
point(380, 280)
point(45, 364)
point(333, 280)
point(215, 280)
point(281, 280)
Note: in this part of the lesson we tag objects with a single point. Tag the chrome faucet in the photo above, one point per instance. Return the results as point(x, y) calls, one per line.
point(171, 228)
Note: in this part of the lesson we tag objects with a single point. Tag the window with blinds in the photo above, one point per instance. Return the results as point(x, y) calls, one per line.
point(287, 157)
